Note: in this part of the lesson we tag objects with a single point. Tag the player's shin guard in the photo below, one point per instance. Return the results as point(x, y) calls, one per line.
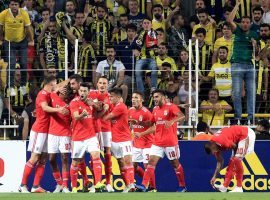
point(125, 176)
point(73, 175)
point(57, 177)
point(82, 170)
point(65, 176)
point(108, 168)
point(130, 173)
point(139, 171)
point(239, 171)
point(28, 168)
point(148, 175)
point(40, 168)
point(97, 170)
point(179, 171)
point(229, 173)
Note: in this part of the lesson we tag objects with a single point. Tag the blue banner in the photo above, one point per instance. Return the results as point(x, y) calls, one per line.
point(198, 166)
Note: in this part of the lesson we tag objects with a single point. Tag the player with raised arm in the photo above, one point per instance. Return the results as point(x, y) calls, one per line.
point(39, 135)
point(59, 138)
point(84, 137)
point(239, 139)
point(121, 137)
point(165, 117)
point(140, 119)
point(105, 135)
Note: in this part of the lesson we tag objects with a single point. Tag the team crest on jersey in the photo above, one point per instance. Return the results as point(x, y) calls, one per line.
point(165, 112)
point(140, 118)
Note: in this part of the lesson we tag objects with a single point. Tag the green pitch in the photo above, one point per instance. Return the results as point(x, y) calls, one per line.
point(136, 196)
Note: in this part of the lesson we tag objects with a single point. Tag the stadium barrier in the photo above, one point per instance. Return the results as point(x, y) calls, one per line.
point(198, 166)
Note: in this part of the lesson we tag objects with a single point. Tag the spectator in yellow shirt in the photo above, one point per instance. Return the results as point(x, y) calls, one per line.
point(15, 25)
point(208, 24)
point(213, 110)
point(158, 20)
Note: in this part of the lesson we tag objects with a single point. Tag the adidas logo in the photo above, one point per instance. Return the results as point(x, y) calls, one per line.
point(255, 176)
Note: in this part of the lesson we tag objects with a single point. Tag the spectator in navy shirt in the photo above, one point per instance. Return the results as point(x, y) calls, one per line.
point(124, 52)
point(134, 16)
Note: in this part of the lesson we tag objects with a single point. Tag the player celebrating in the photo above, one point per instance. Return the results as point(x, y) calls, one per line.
point(38, 137)
point(121, 137)
point(165, 117)
point(59, 138)
point(105, 135)
point(241, 140)
point(140, 119)
point(84, 137)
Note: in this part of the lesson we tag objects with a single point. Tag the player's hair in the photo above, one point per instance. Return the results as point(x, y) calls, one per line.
point(139, 93)
point(85, 85)
point(227, 9)
point(70, 1)
point(157, 6)
point(132, 27)
point(104, 77)
point(77, 78)
point(200, 30)
point(207, 148)
point(215, 90)
point(224, 47)
point(78, 12)
point(166, 64)
point(146, 18)
point(202, 10)
point(265, 25)
point(258, 8)
point(48, 80)
point(116, 91)
point(160, 91)
point(202, 127)
point(16, 1)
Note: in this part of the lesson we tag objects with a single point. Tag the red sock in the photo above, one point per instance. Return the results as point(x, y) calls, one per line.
point(108, 167)
point(38, 174)
point(27, 171)
point(73, 175)
point(124, 176)
point(229, 173)
point(91, 169)
point(152, 182)
point(239, 171)
point(82, 170)
point(97, 169)
point(139, 171)
point(180, 175)
point(148, 175)
point(130, 173)
point(65, 176)
point(57, 177)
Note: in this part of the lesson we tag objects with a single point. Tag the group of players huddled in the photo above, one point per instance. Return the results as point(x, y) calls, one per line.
point(73, 118)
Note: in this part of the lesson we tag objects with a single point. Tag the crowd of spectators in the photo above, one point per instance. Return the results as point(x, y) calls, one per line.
point(142, 45)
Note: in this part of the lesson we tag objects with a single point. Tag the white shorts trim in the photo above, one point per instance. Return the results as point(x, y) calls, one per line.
point(80, 147)
point(172, 153)
point(38, 142)
point(141, 155)
point(105, 139)
point(121, 149)
point(59, 144)
point(246, 146)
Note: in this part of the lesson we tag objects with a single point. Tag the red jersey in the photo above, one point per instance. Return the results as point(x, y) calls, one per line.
point(120, 128)
point(228, 136)
point(42, 122)
point(84, 128)
point(104, 98)
point(59, 123)
point(165, 137)
point(141, 115)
